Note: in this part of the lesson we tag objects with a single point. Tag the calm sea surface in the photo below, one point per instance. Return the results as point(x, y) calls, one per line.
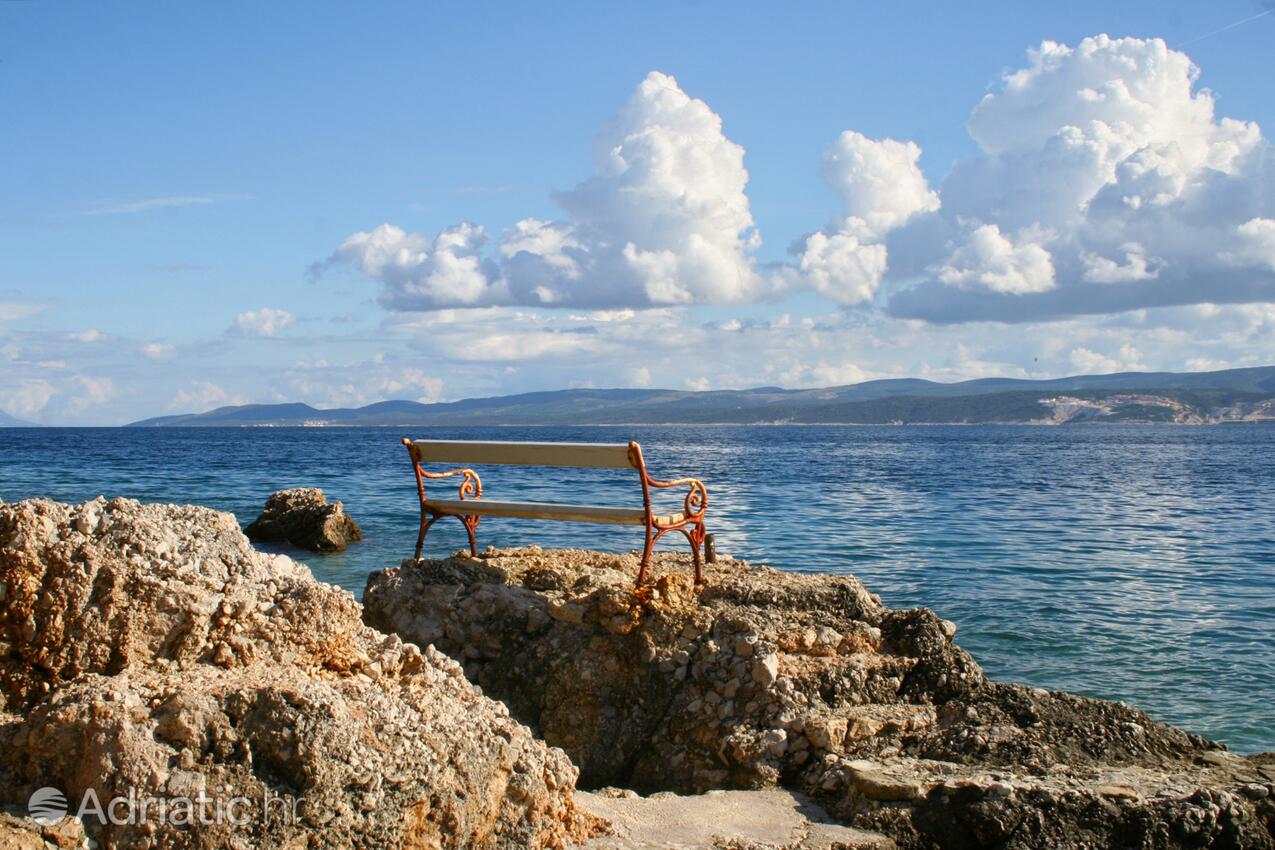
point(1126, 562)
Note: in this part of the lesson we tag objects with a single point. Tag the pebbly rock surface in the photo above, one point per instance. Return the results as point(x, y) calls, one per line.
point(19, 832)
point(149, 651)
point(764, 819)
point(303, 517)
point(809, 682)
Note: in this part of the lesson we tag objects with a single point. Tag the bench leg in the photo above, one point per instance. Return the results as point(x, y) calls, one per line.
point(695, 536)
point(646, 556)
point(471, 525)
point(426, 522)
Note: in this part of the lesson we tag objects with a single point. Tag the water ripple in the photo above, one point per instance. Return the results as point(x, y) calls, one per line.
point(1133, 563)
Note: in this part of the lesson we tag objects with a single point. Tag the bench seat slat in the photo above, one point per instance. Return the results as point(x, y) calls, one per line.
point(546, 510)
point(594, 455)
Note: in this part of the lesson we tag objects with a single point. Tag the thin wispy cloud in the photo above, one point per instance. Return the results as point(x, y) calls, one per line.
point(1229, 26)
point(166, 202)
point(12, 311)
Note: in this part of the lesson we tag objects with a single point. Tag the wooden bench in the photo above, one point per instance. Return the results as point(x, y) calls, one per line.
point(470, 507)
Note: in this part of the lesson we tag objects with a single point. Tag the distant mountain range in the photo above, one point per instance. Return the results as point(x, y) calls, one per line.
point(1233, 395)
point(7, 421)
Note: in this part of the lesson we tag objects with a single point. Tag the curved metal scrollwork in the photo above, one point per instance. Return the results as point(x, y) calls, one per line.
point(470, 488)
point(696, 501)
point(690, 523)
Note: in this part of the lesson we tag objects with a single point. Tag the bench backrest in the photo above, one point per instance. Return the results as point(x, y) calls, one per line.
point(595, 455)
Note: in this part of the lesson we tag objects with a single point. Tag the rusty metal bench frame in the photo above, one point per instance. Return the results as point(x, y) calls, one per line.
point(690, 521)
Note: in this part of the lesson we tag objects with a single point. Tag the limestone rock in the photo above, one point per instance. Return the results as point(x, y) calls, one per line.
point(874, 783)
point(153, 650)
point(766, 670)
point(303, 517)
point(827, 732)
point(685, 697)
point(767, 678)
point(153, 585)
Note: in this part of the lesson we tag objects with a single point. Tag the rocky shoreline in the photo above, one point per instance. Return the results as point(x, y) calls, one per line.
point(149, 649)
point(769, 678)
point(151, 653)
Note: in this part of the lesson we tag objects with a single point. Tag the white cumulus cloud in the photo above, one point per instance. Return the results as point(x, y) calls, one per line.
point(992, 260)
point(421, 272)
point(880, 181)
point(1136, 266)
point(267, 321)
point(1255, 243)
point(883, 187)
point(1147, 197)
point(1104, 182)
point(843, 266)
point(664, 219)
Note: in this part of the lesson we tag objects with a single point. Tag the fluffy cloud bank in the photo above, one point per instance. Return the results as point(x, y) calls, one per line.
point(663, 220)
point(1105, 182)
point(883, 188)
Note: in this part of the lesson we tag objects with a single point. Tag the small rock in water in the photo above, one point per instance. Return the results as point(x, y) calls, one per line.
point(304, 518)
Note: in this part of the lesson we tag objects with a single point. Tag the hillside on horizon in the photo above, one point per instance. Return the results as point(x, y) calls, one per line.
point(1188, 398)
point(7, 421)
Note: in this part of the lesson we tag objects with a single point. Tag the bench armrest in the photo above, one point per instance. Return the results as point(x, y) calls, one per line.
point(696, 496)
point(471, 487)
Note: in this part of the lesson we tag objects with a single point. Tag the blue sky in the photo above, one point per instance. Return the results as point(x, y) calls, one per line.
point(180, 185)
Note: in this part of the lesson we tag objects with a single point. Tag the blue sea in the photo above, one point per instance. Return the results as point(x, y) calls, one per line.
point(1127, 562)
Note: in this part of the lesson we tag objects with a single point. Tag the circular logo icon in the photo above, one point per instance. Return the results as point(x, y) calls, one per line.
point(47, 806)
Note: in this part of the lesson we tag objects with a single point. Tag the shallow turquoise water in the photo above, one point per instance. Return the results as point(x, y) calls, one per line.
point(1127, 562)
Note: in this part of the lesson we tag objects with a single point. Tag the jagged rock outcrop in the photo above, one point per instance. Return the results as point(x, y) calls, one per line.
point(303, 517)
point(149, 649)
point(807, 681)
